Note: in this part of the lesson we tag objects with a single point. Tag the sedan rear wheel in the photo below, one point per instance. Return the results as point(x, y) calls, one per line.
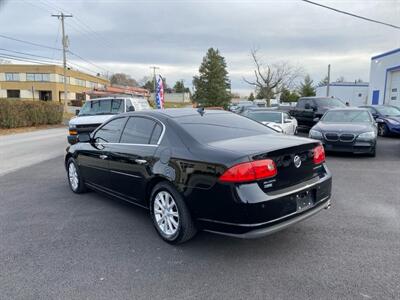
point(166, 213)
point(170, 214)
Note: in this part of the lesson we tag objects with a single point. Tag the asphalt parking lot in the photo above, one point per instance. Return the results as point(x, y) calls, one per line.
point(58, 245)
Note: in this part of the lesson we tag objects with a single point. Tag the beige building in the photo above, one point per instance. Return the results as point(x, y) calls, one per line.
point(46, 82)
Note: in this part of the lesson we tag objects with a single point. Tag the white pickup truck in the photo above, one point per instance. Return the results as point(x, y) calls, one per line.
point(96, 111)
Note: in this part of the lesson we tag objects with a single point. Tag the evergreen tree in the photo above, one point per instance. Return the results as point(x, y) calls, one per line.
point(288, 96)
point(179, 87)
point(323, 82)
point(251, 97)
point(307, 87)
point(212, 85)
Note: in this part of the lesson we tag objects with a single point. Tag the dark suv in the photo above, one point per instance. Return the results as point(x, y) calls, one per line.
point(309, 110)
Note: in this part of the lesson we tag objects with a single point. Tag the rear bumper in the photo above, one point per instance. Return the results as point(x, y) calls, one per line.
point(271, 212)
point(261, 232)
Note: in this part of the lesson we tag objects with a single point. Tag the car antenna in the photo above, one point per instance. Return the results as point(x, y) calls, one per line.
point(200, 110)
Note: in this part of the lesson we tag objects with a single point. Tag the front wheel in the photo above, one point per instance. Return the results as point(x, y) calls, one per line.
point(382, 129)
point(170, 215)
point(74, 177)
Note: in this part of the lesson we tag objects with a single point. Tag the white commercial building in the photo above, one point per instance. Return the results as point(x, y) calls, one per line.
point(384, 87)
point(355, 93)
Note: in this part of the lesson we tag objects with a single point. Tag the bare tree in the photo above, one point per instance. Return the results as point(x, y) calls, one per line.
point(271, 79)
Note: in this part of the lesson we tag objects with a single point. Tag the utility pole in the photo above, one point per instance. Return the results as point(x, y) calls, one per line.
point(183, 91)
point(154, 80)
point(329, 80)
point(61, 17)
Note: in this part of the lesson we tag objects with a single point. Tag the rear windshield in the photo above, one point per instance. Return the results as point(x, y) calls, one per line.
point(102, 107)
point(330, 102)
point(216, 127)
point(265, 116)
point(347, 116)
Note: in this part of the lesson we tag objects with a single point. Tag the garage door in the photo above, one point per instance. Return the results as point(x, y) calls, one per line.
point(394, 88)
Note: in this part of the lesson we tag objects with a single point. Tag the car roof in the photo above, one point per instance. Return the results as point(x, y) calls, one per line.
point(117, 97)
point(316, 97)
point(348, 108)
point(175, 112)
point(268, 109)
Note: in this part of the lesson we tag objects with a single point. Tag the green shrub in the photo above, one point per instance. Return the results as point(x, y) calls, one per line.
point(18, 113)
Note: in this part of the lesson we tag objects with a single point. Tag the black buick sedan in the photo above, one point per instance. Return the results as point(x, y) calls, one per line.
point(203, 170)
point(347, 130)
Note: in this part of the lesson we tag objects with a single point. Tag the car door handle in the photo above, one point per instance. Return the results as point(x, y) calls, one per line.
point(140, 161)
point(103, 156)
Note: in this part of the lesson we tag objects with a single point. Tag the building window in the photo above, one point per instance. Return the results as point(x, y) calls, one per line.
point(13, 93)
point(394, 90)
point(37, 77)
point(80, 82)
point(92, 84)
point(393, 98)
point(61, 79)
point(12, 76)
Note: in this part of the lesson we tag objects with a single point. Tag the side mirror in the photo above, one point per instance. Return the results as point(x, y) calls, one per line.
point(313, 108)
point(84, 138)
point(77, 112)
point(307, 106)
point(316, 120)
point(131, 108)
point(288, 120)
point(375, 115)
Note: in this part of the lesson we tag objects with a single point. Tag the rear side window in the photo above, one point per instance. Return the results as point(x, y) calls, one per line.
point(156, 134)
point(138, 131)
point(222, 126)
point(110, 132)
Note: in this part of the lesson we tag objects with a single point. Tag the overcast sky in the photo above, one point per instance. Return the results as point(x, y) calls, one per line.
point(130, 36)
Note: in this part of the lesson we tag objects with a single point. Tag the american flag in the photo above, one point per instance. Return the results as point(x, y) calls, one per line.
point(160, 92)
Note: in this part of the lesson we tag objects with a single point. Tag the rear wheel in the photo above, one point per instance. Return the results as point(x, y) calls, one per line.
point(170, 215)
point(383, 129)
point(74, 177)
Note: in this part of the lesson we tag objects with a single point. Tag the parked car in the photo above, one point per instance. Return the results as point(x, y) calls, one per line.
point(309, 110)
point(241, 106)
point(260, 102)
point(278, 120)
point(199, 169)
point(96, 111)
point(387, 118)
point(347, 130)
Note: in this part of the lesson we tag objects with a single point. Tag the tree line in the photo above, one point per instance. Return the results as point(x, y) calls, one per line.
point(212, 86)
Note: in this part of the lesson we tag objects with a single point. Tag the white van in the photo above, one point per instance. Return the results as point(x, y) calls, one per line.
point(96, 111)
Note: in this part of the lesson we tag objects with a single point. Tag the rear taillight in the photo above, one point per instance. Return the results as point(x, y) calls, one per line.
point(250, 171)
point(319, 154)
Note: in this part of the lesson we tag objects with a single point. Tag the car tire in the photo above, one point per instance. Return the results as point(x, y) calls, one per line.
point(170, 215)
point(75, 180)
point(383, 129)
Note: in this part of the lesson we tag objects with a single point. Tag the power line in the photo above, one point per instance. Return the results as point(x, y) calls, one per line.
point(87, 61)
point(30, 43)
point(81, 26)
point(27, 54)
point(351, 14)
point(27, 59)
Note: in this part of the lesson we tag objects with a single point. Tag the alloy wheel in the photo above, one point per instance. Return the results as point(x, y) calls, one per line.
point(166, 213)
point(73, 176)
